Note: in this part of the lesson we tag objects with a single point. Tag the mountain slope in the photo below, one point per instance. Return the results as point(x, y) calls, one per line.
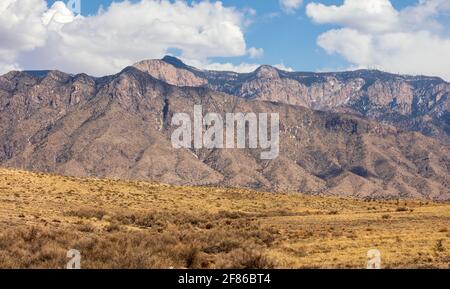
point(416, 103)
point(119, 127)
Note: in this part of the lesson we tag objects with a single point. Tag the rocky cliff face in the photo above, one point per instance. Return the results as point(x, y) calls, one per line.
point(119, 127)
point(413, 103)
point(170, 74)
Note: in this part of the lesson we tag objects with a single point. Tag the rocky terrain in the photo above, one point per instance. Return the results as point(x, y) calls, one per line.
point(118, 126)
point(417, 103)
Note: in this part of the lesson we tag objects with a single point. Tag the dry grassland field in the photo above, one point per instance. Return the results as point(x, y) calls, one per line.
point(133, 224)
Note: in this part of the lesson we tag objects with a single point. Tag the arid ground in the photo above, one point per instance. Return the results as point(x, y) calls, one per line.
point(132, 224)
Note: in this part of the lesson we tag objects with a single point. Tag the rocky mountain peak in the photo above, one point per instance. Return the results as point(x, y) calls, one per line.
point(267, 72)
point(418, 103)
point(170, 70)
point(178, 63)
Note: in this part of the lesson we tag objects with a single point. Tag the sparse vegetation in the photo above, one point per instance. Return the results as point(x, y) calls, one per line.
point(132, 224)
point(440, 246)
point(402, 209)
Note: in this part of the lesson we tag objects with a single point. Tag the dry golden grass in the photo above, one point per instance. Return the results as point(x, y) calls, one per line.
point(132, 224)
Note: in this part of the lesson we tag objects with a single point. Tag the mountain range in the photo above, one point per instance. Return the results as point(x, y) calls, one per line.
point(417, 103)
point(365, 134)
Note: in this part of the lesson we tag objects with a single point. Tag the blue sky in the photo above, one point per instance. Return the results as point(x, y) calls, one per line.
point(400, 36)
point(288, 38)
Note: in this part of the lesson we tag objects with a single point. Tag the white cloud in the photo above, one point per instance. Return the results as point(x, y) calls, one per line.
point(352, 44)
point(21, 30)
point(256, 52)
point(290, 6)
point(125, 32)
point(241, 68)
point(367, 15)
point(374, 34)
point(281, 66)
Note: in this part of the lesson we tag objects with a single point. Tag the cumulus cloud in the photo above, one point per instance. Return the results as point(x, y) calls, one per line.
point(281, 66)
point(21, 29)
point(241, 68)
point(290, 6)
point(374, 34)
point(37, 37)
point(368, 15)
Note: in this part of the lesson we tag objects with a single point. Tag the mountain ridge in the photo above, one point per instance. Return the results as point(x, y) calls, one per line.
point(118, 126)
point(180, 64)
point(416, 103)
